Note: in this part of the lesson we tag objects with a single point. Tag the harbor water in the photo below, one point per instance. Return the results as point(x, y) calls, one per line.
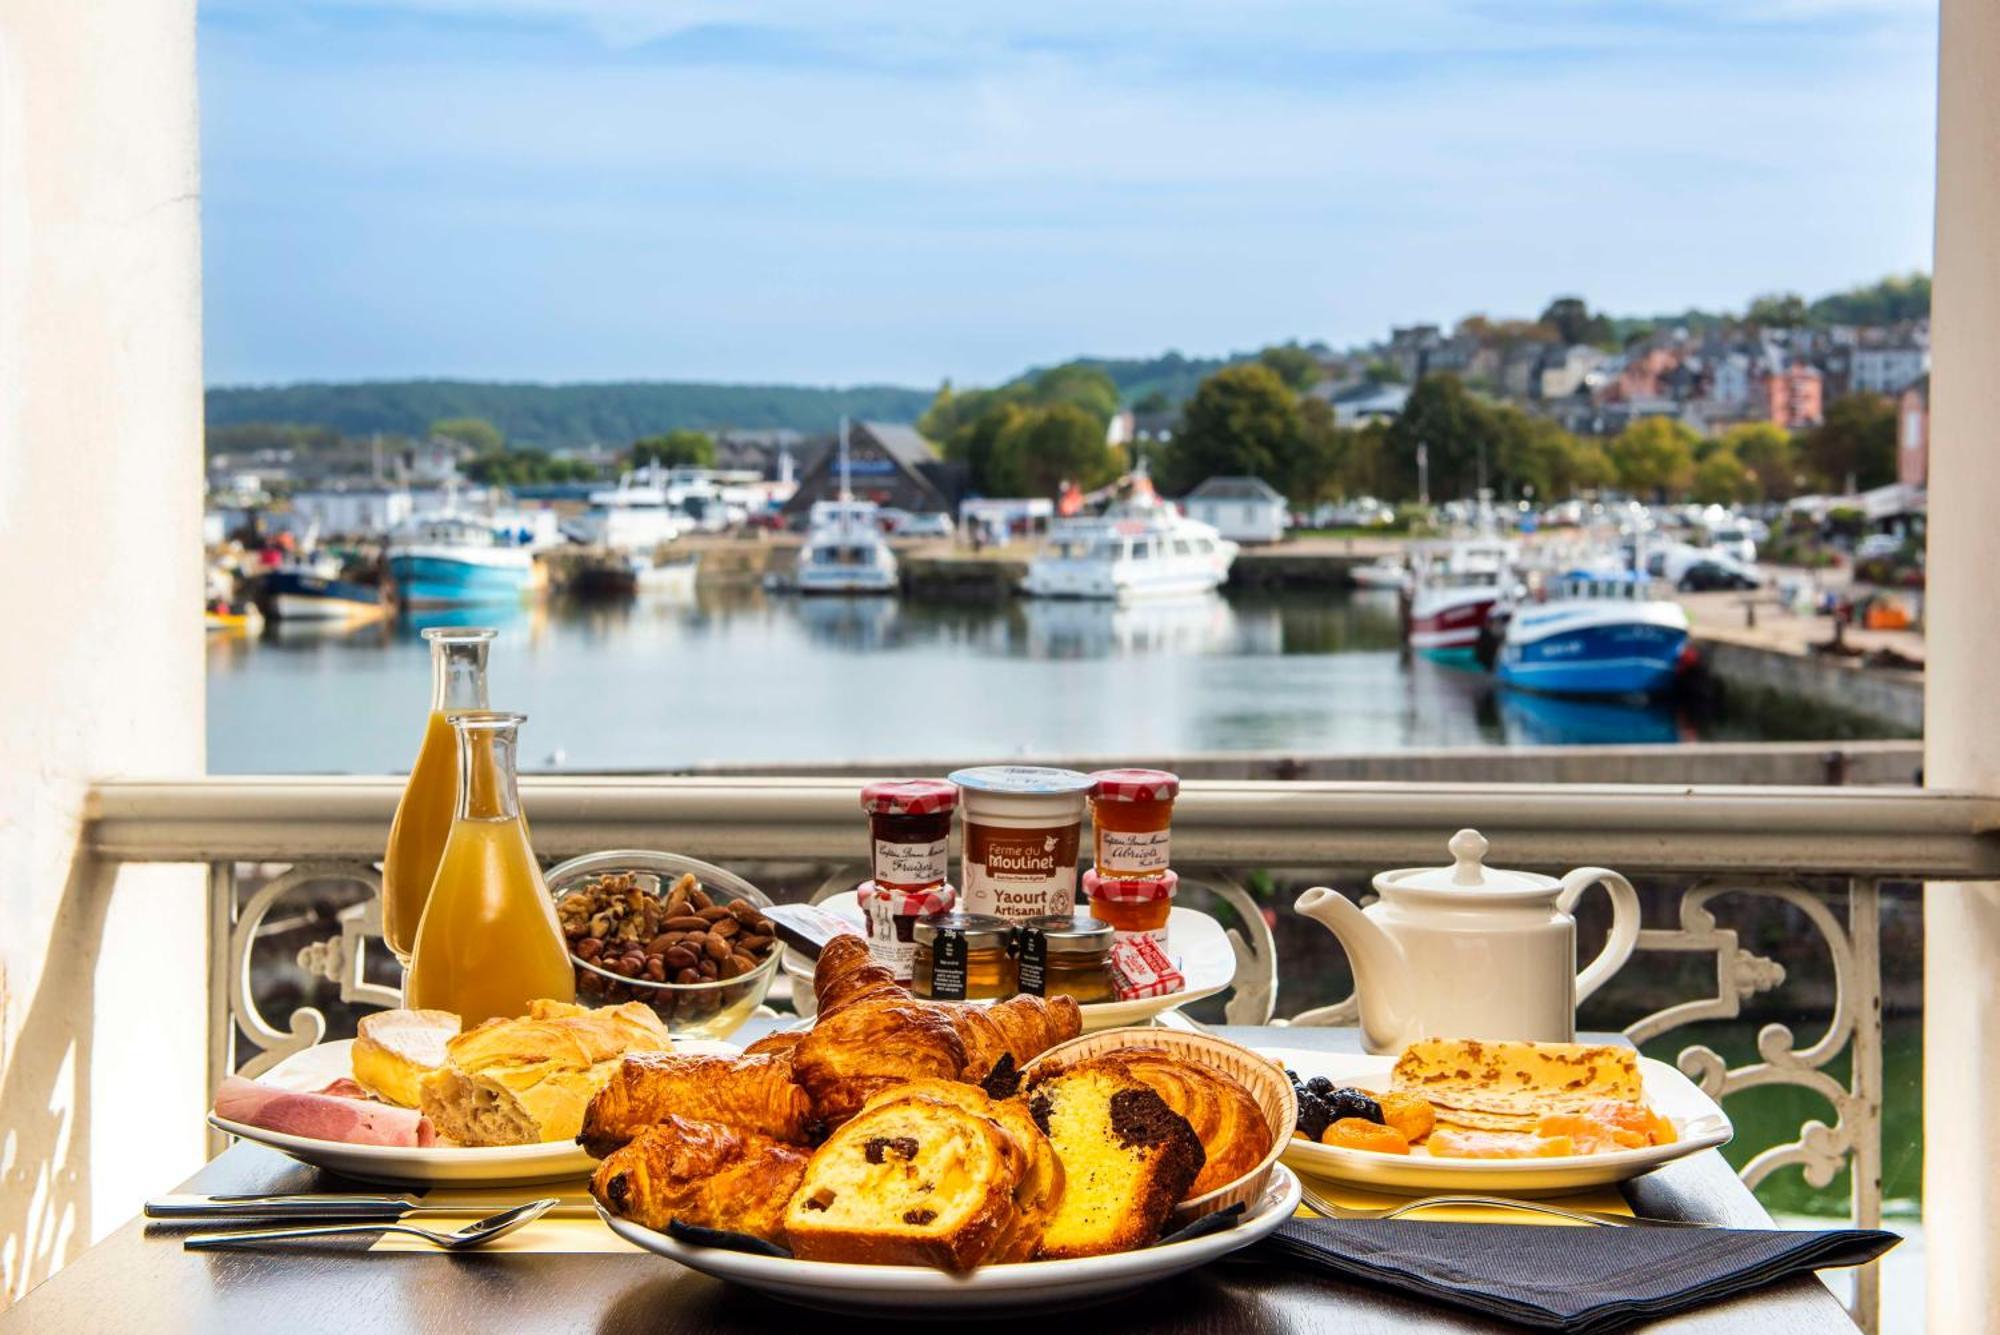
point(735, 676)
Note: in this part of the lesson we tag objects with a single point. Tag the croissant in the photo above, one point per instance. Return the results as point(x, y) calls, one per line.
point(847, 973)
point(1001, 1039)
point(750, 1093)
point(867, 1045)
point(704, 1173)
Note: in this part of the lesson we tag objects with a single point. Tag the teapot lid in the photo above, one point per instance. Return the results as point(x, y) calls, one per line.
point(1468, 875)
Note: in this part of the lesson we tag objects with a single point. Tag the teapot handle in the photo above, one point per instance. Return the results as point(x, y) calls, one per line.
point(1624, 935)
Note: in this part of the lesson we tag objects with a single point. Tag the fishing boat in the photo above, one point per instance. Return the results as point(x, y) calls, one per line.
point(449, 559)
point(312, 590)
point(844, 550)
point(1594, 633)
point(633, 574)
point(1385, 572)
point(1451, 595)
point(635, 516)
point(1138, 546)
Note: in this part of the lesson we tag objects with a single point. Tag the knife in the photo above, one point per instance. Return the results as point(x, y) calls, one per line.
point(327, 1205)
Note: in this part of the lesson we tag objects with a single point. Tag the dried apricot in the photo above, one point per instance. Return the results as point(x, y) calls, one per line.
point(1410, 1114)
point(1358, 1133)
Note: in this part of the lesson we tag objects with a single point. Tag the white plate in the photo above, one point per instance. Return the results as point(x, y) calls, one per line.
point(439, 1165)
point(1196, 941)
point(876, 1289)
point(1702, 1125)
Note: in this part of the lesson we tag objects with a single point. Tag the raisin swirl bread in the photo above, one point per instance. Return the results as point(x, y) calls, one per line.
point(929, 1172)
point(1235, 1135)
point(1128, 1158)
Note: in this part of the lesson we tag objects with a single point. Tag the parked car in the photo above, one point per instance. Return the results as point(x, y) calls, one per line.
point(1732, 540)
point(1876, 546)
point(1703, 576)
point(924, 526)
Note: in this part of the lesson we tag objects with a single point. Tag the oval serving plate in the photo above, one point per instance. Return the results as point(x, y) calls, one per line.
point(877, 1290)
point(437, 1165)
point(1701, 1123)
point(1200, 949)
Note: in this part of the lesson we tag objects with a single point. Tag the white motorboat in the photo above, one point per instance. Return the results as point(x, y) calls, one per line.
point(635, 516)
point(1385, 572)
point(1138, 547)
point(844, 550)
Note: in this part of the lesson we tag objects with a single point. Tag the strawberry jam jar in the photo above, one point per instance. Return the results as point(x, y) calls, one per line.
point(909, 828)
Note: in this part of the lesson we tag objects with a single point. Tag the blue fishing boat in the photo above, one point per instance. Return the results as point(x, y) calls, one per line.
point(314, 591)
point(450, 560)
point(1593, 633)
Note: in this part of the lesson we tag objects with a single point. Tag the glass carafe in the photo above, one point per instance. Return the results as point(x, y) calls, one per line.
point(423, 816)
point(489, 942)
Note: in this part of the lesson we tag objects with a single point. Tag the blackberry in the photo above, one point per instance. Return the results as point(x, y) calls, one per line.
point(1353, 1103)
point(1315, 1116)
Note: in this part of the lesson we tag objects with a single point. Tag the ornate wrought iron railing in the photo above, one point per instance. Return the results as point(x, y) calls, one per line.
point(1825, 854)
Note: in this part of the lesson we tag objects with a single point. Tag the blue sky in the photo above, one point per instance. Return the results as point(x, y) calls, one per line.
point(881, 191)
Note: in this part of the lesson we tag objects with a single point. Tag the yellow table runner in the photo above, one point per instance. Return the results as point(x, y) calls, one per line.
point(1608, 1200)
point(572, 1226)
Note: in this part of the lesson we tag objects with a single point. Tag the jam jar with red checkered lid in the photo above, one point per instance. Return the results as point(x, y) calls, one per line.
point(1131, 816)
point(909, 829)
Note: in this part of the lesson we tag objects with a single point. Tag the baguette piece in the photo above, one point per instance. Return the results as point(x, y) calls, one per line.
point(919, 1176)
point(1127, 1158)
point(394, 1050)
point(518, 1082)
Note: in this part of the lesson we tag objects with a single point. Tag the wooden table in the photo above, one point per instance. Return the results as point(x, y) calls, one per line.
point(140, 1280)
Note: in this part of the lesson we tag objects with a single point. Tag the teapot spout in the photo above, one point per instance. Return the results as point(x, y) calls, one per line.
point(1381, 981)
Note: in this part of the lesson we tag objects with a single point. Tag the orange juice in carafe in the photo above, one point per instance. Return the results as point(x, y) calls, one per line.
point(424, 815)
point(489, 942)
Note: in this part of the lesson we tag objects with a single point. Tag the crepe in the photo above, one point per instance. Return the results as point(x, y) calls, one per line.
point(1510, 1086)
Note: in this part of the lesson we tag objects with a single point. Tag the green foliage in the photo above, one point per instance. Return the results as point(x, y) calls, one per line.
point(1298, 368)
point(1654, 455)
point(1152, 401)
point(510, 467)
point(1574, 323)
point(1384, 373)
point(556, 415)
point(1321, 459)
point(1857, 441)
point(1777, 310)
point(250, 437)
point(681, 448)
point(969, 425)
point(476, 433)
point(1891, 300)
point(1454, 426)
point(1770, 454)
point(1722, 478)
point(1039, 448)
point(1242, 422)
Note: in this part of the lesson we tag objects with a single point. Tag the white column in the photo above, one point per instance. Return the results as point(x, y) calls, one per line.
point(102, 983)
point(1961, 722)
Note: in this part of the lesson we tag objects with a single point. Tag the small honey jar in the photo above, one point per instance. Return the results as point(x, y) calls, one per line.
point(964, 957)
point(1066, 955)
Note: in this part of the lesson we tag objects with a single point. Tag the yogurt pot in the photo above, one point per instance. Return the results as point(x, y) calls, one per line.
point(1023, 828)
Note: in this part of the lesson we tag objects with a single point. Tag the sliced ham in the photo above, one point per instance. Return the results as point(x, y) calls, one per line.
point(321, 1116)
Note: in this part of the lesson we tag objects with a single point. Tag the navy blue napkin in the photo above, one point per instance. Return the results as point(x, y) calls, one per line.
point(1578, 1280)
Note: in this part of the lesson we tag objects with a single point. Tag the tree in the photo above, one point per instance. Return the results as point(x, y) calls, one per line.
point(1573, 322)
point(480, 435)
point(1722, 479)
point(1242, 421)
point(1152, 401)
point(1654, 455)
point(1320, 459)
point(1383, 372)
point(1041, 448)
point(1887, 302)
point(1777, 310)
point(1295, 366)
point(680, 448)
point(1855, 444)
point(1077, 383)
point(1768, 451)
point(1456, 430)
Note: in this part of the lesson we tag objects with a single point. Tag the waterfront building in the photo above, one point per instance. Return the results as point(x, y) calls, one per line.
point(1913, 433)
point(888, 463)
point(1887, 369)
point(1242, 509)
point(362, 511)
point(1795, 397)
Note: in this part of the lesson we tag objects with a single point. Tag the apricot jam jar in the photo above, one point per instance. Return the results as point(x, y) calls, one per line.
point(909, 827)
point(1138, 906)
point(1132, 812)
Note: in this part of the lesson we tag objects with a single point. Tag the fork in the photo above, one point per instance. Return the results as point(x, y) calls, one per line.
point(1321, 1204)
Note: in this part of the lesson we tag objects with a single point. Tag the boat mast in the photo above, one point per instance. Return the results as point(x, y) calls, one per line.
point(846, 494)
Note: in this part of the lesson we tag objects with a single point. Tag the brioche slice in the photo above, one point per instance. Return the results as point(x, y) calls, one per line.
point(909, 1180)
point(1127, 1158)
point(517, 1082)
point(1235, 1134)
point(394, 1050)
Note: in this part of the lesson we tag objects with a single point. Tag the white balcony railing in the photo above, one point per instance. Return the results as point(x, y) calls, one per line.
point(1825, 852)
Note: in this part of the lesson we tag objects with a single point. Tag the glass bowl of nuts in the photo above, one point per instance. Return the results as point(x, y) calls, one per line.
point(686, 937)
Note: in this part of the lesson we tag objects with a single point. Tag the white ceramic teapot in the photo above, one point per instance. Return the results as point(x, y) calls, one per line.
point(1468, 951)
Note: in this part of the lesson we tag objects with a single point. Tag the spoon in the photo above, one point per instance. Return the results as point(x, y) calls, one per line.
point(475, 1234)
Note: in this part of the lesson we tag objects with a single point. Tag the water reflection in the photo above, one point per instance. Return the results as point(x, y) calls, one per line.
point(736, 677)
